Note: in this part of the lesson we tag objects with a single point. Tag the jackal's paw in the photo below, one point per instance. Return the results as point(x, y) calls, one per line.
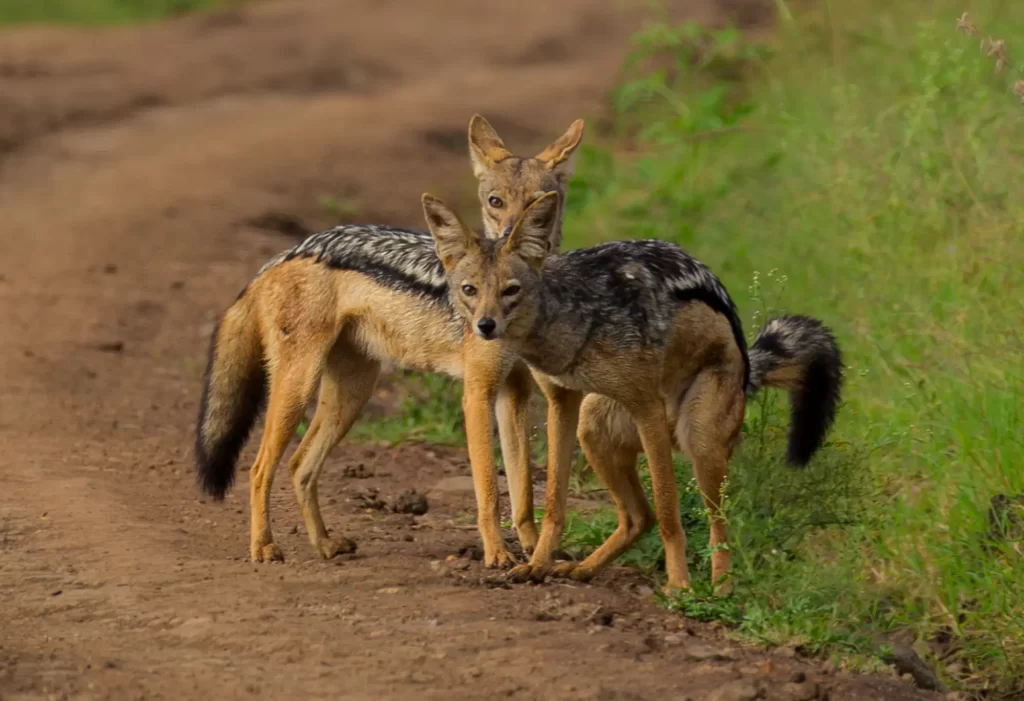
point(671, 589)
point(502, 559)
point(528, 538)
point(330, 547)
point(529, 572)
point(723, 584)
point(564, 569)
point(573, 571)
point(266, 553)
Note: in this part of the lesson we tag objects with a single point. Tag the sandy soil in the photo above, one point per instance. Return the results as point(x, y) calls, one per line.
point(145, 174)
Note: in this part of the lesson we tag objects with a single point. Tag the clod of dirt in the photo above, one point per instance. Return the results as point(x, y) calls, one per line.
point(359, 472)
point(739, 690)
point(793, 691)
point(368, 499)
point(411, 502)
point(905, 660)
point(110, 346)
point(281, 223)
point(1006, 517)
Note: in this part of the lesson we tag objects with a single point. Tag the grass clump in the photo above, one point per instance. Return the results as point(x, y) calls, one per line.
point(871, 154)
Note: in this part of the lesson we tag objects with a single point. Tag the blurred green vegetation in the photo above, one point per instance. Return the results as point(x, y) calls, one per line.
point(859, 166)
point(95, 12)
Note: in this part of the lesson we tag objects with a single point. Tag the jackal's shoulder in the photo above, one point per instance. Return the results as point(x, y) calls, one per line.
point(402, 259)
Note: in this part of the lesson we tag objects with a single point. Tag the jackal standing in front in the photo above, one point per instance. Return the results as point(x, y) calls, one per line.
point(641, 346)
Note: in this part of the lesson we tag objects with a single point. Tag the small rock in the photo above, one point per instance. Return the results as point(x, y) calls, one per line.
point(368, 499)
point(766, 668)
point(741, 690)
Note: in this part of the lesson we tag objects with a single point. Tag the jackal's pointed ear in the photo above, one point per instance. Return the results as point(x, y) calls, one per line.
point(452, 238)
point(558, 156)
point(531, 237)
point(485, 146)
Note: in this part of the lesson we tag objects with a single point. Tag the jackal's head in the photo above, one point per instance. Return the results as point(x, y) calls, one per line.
point(495, 284)
point(509, 184)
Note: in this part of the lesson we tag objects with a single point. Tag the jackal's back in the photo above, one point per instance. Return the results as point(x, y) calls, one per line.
point(628, 292)
point(400, 259)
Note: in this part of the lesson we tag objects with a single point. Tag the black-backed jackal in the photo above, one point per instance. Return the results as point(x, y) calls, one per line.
point(328, 312)
point(640, 346)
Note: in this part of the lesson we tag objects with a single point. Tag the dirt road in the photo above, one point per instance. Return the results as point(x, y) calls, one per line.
point(131, 161)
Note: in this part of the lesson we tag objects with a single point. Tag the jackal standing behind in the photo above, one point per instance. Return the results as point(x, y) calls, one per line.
point(328, 312)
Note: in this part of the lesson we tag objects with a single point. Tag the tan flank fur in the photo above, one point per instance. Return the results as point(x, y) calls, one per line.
point(638, 345)
point(328, 312)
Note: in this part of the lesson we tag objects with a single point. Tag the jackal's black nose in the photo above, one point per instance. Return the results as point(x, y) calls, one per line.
point(486, 326)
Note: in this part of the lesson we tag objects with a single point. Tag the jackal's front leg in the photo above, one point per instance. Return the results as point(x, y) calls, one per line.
point(478, 398)
point(563, 416)
point(514, 431)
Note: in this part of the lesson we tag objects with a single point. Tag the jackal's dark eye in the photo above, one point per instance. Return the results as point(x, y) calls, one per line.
point(510, 291)
point(495, 202)
point(468, 290)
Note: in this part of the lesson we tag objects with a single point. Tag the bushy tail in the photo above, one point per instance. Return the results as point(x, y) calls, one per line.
point(234, 391)
point(799, 354)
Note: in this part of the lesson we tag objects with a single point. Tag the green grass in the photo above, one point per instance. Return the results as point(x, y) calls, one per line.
point(863, 169)
point(96, 12)
point(429, 411)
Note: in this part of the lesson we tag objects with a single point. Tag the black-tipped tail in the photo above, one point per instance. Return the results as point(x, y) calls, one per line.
point(234, 392)
point(800, 354)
